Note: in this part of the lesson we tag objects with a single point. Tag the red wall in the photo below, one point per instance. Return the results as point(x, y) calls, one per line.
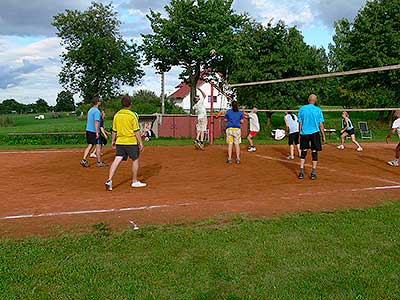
point(185, 126)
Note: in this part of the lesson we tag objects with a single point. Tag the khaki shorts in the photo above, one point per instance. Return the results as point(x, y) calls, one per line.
point(233, 136)
point(201, 125)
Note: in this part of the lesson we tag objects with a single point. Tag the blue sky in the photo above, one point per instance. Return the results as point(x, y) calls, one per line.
point(29, 49)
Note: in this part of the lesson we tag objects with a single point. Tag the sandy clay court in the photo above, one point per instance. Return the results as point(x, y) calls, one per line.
point(47, 192)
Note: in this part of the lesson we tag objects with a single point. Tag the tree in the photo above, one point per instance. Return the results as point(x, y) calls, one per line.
point(187, 34)
point(65, 102)
point(41, 106)
point(10, 105)
point(275, 52)
point(97, 59)
point(372, 40)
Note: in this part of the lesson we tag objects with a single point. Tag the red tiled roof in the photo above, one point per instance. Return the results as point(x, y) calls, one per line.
point(184, 88)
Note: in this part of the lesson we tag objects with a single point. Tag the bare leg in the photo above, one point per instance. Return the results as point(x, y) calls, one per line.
point(230, 147)
point(202, 136)
point(314, 165)
point(249, 138)
point(298, 149)
point(291, 150)
point(98, 152)
point(87, 151)
point(343, 136)
point(237, 148)
point(398, 151)
point(198, 135)
point(114, 167)
point(135, 169)
point(302, 162)
point(353, 139)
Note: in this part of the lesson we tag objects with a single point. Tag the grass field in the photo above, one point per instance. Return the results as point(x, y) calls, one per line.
point(341, 255)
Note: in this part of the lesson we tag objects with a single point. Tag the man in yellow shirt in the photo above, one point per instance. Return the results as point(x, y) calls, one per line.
point(127, 141)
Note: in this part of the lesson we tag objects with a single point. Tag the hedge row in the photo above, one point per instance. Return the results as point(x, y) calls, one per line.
point(45, 139)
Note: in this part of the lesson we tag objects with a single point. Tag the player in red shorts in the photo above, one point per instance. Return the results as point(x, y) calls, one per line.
point(254, 127)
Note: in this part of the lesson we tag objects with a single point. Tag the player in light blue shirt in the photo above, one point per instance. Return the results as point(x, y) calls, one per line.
point(93, 134)
point(93, 116)
point(311, 124)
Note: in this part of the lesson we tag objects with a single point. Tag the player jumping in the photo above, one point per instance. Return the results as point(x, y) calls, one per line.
point(254, 127)
point(201, 126)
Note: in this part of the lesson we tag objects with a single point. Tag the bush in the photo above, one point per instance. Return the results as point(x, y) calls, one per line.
point(7, 122)
point(43, 139)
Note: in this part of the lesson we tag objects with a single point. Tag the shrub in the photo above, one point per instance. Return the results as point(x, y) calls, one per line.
point(7, 122)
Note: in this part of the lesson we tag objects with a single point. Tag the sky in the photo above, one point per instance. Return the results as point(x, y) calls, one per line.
point(30, 50)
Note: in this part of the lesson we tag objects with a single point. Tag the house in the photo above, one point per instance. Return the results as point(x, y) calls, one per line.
point(181, 96)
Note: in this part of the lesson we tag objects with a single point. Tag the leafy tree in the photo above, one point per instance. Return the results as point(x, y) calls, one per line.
point(41, 106)
point(372, 40)
point(275, 52)
point(65, 101)
point(9, 105)
point(97, 59)
point(187, 33)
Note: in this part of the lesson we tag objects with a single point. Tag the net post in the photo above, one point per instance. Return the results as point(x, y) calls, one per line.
point(212, 114)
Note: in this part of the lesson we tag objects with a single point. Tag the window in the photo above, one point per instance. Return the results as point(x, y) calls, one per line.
point(215, 99)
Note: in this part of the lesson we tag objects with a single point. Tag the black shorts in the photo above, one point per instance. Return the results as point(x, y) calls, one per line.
point(350, 132)
point(131, 151)
point(311, 141)
point(294, 138)
point(91, 138)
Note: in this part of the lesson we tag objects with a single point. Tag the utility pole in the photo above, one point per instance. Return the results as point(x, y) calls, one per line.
point(162, 93)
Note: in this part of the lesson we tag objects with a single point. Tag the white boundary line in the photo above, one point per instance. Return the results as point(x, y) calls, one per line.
point(87, 212)
point(151, 207)
point(39, 151)
point(373, 188)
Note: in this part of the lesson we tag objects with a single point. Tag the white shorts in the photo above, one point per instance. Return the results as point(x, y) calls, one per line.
point(201, 125)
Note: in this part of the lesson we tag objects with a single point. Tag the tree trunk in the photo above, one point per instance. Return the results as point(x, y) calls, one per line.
point(194, 79)
point(381, 116)
point(269, 120)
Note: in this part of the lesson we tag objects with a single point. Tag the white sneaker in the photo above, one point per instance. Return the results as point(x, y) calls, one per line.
point(290, 157)
point(359, 149)
point(108, 185)
point(93, 155)
point(393, 163)
point(340, 147)
point(138, 184)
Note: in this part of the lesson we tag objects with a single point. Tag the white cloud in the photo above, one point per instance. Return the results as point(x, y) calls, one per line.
point(31, 83)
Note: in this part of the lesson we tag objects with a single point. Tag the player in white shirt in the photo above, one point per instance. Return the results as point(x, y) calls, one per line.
point(395, 127)
point(292, 129)
point(254, 127)
point(201, 126)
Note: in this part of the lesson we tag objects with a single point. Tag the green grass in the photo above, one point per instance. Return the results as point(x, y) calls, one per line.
point(27, 124)
point(342, 255)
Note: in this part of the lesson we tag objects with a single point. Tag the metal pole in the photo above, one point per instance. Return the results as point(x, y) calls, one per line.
point(162, 93)
point(212, 115)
